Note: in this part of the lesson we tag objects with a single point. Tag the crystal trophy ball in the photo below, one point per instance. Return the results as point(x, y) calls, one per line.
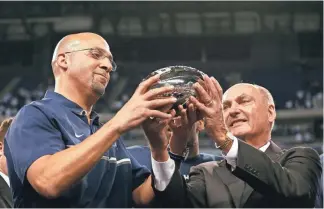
point(182, 78)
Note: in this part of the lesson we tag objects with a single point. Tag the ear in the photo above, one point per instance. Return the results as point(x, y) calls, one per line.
point(200, 125)
point(272, 113)
point(1, 148)
point(62, 61)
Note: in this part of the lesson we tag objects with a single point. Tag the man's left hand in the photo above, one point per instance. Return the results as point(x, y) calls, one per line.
point(182, 128)
point(156, 133)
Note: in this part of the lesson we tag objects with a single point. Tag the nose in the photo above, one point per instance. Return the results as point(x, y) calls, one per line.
point(234, 110)
point(106, 65)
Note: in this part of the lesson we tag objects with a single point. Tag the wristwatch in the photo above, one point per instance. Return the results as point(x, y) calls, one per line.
point(228, 139)
point(177, 157)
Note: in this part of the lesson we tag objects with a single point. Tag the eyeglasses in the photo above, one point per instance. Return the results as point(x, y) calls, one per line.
point(97, 54)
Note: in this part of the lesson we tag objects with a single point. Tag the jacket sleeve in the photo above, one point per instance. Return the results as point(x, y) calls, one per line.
point(182, 194)
point(294, 177)
point(196, 188)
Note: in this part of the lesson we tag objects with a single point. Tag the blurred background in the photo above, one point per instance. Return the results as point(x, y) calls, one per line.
point(278, 45)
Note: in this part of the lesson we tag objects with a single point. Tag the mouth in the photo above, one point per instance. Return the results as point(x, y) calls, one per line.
point(101, 75)
point(236, 122)
point(102, 78)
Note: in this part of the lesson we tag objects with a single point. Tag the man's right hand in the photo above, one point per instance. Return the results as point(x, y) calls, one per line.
point(142, 105)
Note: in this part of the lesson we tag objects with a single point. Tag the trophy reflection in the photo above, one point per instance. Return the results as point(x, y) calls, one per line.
point(182, 78)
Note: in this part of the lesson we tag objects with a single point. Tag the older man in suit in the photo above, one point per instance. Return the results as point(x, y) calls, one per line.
point(255, 172)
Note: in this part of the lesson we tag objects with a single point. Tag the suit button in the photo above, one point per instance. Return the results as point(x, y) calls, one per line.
point(255, 172)
point(247, 167)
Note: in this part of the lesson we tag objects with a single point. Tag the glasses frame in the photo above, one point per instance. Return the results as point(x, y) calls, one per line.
point(112, 62)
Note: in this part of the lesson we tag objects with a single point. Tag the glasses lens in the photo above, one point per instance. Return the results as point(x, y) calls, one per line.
point(114, 65)
point(100, 54)
point(95, 53)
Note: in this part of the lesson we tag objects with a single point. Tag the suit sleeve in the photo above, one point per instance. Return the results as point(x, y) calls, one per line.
point(196, 188)
point(182, 194)
point(319, 198)
point(295, 177)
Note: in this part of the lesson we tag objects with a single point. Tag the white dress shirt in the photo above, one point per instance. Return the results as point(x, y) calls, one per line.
point(5, 177)
point(162, 173)
point(163, 170)
point(231, 156)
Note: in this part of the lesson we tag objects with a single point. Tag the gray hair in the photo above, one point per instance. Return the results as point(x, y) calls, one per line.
point(266, 93)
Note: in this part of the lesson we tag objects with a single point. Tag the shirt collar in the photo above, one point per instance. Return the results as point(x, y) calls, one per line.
point(75, 108)
point(265, 147)
point(5, 177)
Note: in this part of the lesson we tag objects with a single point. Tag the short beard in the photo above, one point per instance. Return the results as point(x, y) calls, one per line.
point(98, 89)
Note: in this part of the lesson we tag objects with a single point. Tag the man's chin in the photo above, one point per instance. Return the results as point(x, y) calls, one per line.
point(239, 134)
point(99, 89)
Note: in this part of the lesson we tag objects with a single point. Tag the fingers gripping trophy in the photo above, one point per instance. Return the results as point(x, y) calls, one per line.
point(182, 78)
point(198, 97)
point(184, 115)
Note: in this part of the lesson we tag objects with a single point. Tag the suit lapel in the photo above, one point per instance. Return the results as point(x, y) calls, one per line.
point(235, 185)
point(246, 193)
point(273, 151)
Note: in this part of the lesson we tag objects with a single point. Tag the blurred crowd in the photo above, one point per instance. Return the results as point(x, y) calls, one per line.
point(311, 97)
point(307, 98)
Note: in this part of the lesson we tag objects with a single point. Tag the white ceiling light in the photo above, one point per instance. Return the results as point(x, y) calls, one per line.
point(73, 24)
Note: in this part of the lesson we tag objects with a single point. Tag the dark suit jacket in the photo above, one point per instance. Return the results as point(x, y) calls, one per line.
point(5, 194)
point(319, 198)
point(276, 178)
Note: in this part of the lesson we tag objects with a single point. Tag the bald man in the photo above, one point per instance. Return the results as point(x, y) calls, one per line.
point(256, 172)
point(58, 153)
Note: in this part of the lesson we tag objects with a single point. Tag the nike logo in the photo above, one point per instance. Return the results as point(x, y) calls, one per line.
point(77, 135)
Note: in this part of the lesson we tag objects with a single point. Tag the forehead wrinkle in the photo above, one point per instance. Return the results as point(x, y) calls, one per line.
point(261, 91)
point(239, 96)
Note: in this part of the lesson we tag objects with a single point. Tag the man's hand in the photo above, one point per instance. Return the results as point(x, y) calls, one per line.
point(142, 105)
point(182, 128)
point(155, 130)
point(209, 103)
point(4, 126)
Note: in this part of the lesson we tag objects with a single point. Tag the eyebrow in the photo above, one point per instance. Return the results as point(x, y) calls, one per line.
point(244, 95)
point(226, 102)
